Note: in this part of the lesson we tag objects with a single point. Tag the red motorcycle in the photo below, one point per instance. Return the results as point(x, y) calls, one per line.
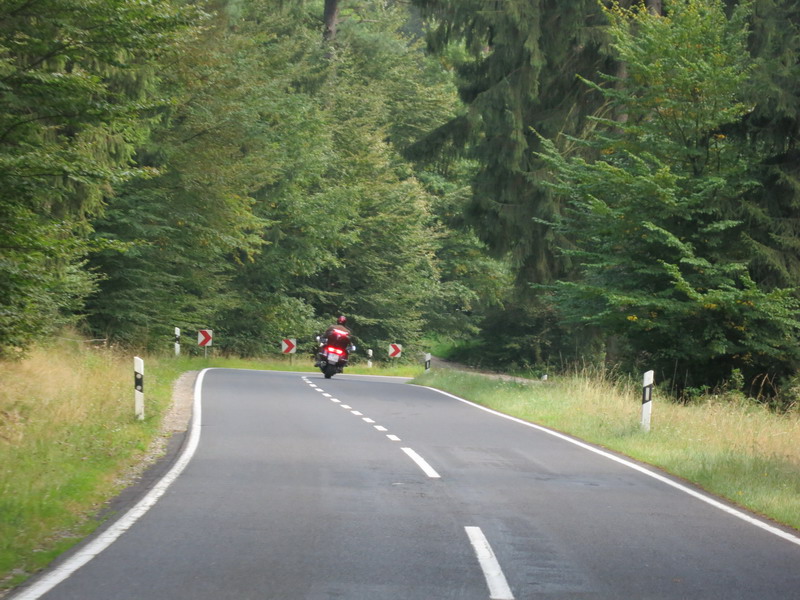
point(334, 352)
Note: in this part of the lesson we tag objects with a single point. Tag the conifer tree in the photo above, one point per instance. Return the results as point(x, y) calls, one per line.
point(519, 74)
point(516, 64)
point(772, 131)
point(657, 207)
point(76, 80)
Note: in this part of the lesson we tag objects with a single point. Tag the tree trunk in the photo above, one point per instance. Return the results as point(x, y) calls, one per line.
point(331, 18)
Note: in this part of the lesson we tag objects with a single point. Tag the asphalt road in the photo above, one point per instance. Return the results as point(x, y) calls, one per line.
point(368, 488)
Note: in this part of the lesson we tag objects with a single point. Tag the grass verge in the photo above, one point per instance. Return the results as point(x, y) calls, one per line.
point(69, 442)
point(729, 446)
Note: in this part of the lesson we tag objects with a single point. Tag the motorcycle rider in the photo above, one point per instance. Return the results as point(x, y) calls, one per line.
point(337, 335)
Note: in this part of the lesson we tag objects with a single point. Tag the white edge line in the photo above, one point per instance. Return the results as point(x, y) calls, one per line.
point(632, 465)
point(495, 580)
point(422, 463)
point(126, 521)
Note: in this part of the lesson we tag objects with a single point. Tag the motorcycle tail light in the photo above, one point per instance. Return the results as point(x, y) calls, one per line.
point(338, 351)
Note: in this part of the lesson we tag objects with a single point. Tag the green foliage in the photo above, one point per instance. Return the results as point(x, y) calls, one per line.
point(772, 129)
point(76, 78)
point(180, 234)
point(239, 175)
point(516, 73)
point(234, 170)
point(515, 64)
point(656, 208)
point(515, 335)
point(349, 226)
point(41, 283)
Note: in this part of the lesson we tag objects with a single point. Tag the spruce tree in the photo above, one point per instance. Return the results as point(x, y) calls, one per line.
point(517, 65)
point(772, 132)
point(657, 206)
point(77, 79)
point(518, 74)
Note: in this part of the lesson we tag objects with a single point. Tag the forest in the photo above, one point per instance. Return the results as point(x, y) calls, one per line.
point(540, 183)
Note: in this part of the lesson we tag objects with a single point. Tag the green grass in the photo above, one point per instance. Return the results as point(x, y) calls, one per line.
point(66, 434)
point(69, 442)
point(730, 447)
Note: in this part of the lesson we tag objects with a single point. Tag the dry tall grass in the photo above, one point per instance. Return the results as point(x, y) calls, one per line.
point(51, 389)
point(720, 423)
point(66, 430)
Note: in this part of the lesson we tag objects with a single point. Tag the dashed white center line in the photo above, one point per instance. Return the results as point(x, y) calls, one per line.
point(498, 586)
point(495, 579)
point(429, 471)
point(422, 463)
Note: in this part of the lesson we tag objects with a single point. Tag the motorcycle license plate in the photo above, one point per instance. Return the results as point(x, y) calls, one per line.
point(333, 358)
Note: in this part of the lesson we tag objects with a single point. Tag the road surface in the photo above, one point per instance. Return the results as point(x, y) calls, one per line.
point(298, 487)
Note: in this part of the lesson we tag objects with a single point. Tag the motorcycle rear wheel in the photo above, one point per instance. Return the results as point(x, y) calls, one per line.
point(329, 370)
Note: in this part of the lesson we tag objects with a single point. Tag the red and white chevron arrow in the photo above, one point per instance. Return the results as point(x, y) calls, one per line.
point(204, 337)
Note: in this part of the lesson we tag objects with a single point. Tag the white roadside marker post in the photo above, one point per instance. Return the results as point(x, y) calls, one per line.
point(177, 341)
point(369, 358)
point(138, 387)
point(647, 399)
point(427, 361)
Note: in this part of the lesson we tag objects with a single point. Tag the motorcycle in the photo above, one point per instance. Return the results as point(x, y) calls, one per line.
point(332, 359)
